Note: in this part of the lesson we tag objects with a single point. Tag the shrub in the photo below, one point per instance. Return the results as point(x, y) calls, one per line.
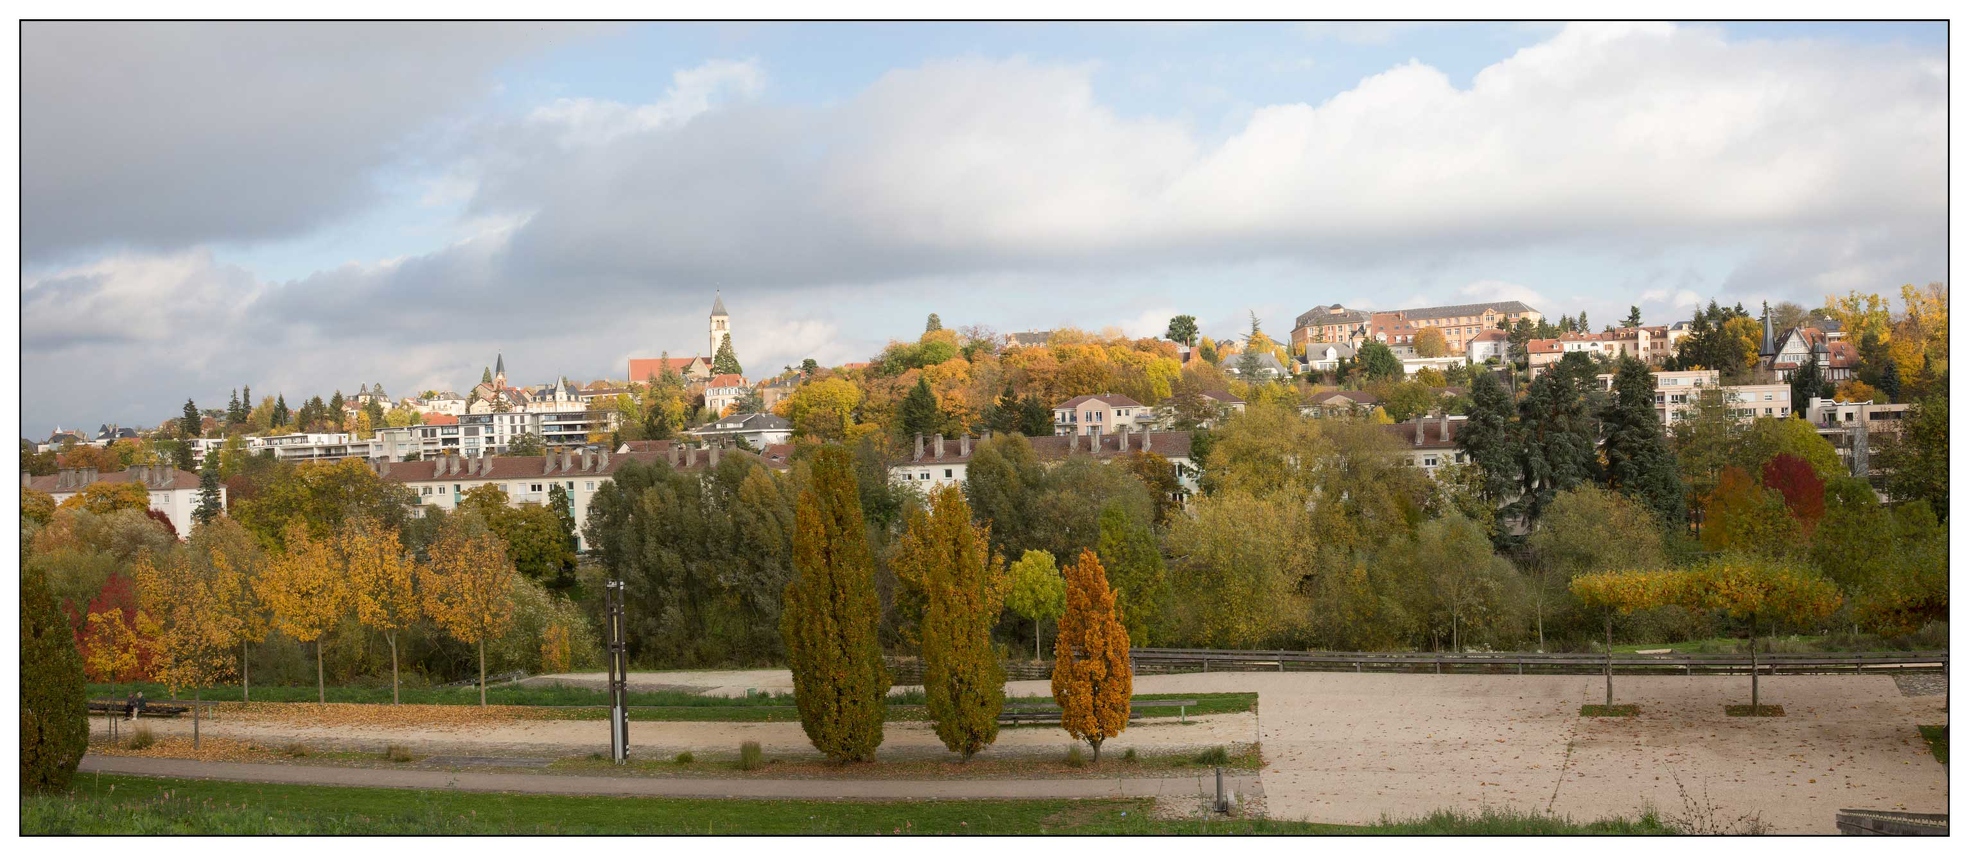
point(1215, 756)
point(399, 754)
point(685, 757)
point(1130, 756)
point(54, 712)
point(297, 750)
point(140, 739)
point(750, 757)
point(1075, 758)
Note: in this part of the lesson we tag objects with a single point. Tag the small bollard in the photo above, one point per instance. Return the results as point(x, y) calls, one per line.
point(1223, 805)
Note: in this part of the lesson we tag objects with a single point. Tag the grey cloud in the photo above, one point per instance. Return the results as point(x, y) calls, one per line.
point(163, 135)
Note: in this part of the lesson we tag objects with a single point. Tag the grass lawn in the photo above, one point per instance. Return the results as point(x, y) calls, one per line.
point(657, 706)
point(724, 764)
point(1747, 710)
point(102, 804)
point(1610, 710)
point(1937, 737)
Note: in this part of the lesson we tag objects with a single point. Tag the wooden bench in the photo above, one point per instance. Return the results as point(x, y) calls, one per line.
point(151, 708)
point(1024, 714)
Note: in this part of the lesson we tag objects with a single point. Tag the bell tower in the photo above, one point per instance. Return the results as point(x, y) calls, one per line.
point(721, 326)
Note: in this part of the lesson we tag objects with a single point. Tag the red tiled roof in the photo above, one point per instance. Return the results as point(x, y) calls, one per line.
point(440, 419)
point(502, 468)
point(779, 456)
point(1543, 346)
point(1491, 335)
point(640, 370)
point(1169, 444)
point(727, 380)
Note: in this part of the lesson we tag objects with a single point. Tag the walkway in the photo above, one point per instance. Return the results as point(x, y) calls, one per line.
point(624, 786)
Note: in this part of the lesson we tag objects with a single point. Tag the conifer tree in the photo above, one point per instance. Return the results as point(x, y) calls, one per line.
point(281, 415)
point(1558, 432)
point(1035, 418)
point(192, 424)
point(962, 583)
point(934, 324)
point(1005, 414)
point(920, 414)
point(1639, 462)
point(1092, 678)
point(831, 612)
point(486, 376)
point(245, 402)
point(1489, 437)
point(209, 507)
point(234, 415)
point(726, 360)
point(54, 713)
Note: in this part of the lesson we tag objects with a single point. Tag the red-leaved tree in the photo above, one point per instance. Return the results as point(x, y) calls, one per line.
point(1803, 490)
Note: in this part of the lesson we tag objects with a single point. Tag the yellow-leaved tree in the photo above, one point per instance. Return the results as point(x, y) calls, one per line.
point(468, 584)
point(179, 611)
point(1625, 593)
point(1758, 588)
point(233, 560)
point(113, 650)
point(306, 592)
point(383, 584)
point(1092, 677)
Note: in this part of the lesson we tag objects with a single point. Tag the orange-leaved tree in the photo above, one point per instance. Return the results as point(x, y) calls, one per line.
point(179, 612)
point(468, 584)
point(1754, 588)
point(1092, 678)
point(383, 584)
point(1624, 593)
point(306, 592)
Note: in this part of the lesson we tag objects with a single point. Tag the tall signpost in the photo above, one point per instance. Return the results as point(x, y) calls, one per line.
point(618, 672)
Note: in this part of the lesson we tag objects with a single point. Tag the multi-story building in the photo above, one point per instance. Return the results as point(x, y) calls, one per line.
point(1429, 442)
point(752, 430)
point(1854, 428)
point(1339, 402)
point(938, 462)
point(1098, 414)
point(1487, 345)
point(173, 492)
point(1838, 359)
point(1459, 324)
point(310, 447)
point(1678, 393)
point(447, 403)
point(576, 427)
point(723, 391)
point(1331, 324)
point(482, 434)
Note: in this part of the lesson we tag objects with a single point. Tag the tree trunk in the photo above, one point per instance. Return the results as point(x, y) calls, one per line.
point(196, 695)
point(1541, 624)
point(1036, 636)
point(481, 673)
point(396, 696)
point(1609, 658)
point(320, 676)
point(1753, 666)
point(1097, 750)
point(245, 671)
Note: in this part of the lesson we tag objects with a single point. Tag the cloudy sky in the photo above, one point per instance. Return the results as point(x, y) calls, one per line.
point(307, 207)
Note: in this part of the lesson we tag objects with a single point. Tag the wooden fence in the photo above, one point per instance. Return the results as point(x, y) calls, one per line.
point(1167, 660)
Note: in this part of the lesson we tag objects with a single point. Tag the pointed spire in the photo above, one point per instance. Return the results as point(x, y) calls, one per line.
point(499, 367)
point(718, 304)
point(1766, 350)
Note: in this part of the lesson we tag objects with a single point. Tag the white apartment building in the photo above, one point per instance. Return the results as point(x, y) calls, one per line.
point(1676, 395)
point(172, 491)
point(573, 428)
point(1098, 414)
point(447, 403)
point(937, 462)
point(723, 391)
point(310, 447)
point(1854, 428)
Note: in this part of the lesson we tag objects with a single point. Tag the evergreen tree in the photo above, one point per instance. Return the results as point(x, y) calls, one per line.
point(1377, 362)
point(486, 376)
point(809, 366)
point(1639, 462)
point(234, 415)
point(1133, 563)
point(245, 403)
point(726, 360)
point(181, 454)
point(1182, 330)
point(1633, 317)
point(209, 507)
point(1583, 326)
point(281, 415)
point(336, 405)
point(1035, 419)
point(831, 615)
point(1559, 435)
point(1004, 416)
point(934, 324)
point(1092, 678)
point(54, 713)
point(192, 426)
point(1890, 382)
point(1489, 437)
point(1808, 382)
point(919, 410)
point(963, 588)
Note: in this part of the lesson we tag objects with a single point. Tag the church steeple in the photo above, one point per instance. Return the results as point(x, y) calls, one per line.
point(721, 326)
point(499, 371)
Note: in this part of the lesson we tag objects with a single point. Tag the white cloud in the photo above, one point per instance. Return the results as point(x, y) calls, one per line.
point(1678, 299)
point(1492, 289)
point(589, 121)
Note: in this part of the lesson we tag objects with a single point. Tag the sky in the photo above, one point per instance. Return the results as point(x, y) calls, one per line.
point(306, 207)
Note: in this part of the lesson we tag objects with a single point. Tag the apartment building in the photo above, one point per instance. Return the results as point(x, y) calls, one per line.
point(310, 447)
point(1854, 428)
point(723, 391)
point(173, 492)
point(1098, 414)
point(937, 462)
point(1677, 393)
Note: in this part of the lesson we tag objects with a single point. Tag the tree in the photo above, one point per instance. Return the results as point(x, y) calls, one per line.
point(1239, 561)
point(1037, 592)
point(1625, 593)
point(468, 584)
point(1588, 530)
point(209, 507)
point(1916, 463)
point(54, 713)
point(1182, 330)
point(1559, 435)
point(192, 423)
point(306, 591)
point(281, 415)
point(831, 612)
point(1800, 486)
point(192, 634)
point(113, 651)
point(1808, 382)
point(1489, 438)
point(526, 445)
point(947, 558)
point(36, 506)
point(1035, 418)
point(1755, 589)
point(1429, 342)
point(383, 584)
point(1633, 317)
point(107, 497)
point(1890, 381)
point(1747, 517)
point(726, 361)
point(823, 409)
point(486, 376)
point(235, 414)
point(231, 561)
point(920, 414)
point(1377, 362)
point(1003, 483)
point(1768, 437)
point(1093, 680)
point(1466, 582)
point(1639, 462)
point(934, 324)
point(1140, 581)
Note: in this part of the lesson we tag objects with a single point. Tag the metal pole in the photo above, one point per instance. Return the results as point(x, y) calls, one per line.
point(618, 673)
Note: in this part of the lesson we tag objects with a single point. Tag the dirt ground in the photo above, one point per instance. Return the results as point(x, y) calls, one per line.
point(1348, 748)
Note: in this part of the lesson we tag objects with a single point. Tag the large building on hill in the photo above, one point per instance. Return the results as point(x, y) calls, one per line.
point(695, 369)
point(1459, 324)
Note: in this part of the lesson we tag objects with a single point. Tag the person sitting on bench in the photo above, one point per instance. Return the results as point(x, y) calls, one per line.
point(136, 705)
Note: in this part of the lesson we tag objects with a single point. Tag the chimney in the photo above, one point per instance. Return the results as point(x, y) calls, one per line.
point(964, 445)
point(1073, 441)
point(567, 459)
point(587, 461)
point(1121, 440)
point(1147, 437)
point(602, 461)
point(690, 457)
point(919, 447)
point(939, 446)
point(676, 455)
point(1418, 429)
point(383, 468)
point(88, 476)
point(1442, 433)
point(714, 456)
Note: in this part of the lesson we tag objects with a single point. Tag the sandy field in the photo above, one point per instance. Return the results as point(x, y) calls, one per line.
point(1349, 748)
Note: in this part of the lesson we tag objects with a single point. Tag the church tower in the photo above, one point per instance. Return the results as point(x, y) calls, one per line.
point(721, 326)
point(499, 373)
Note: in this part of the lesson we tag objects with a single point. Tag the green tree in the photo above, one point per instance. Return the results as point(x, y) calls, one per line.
point(1588, 530)
point(1239, 562)
point(1559, 435)
point(831, 614)
point(933, 324)
point(1633, 317)
point(1409, 399)
point(1747, 517)
point(1639, 462)
point(1003, 482)
point(1769, 436)
point(1489, 438)
point(1807, 383)
point(1466, 585)
point(1035, 418)
point(1037, 592)
point(963, 585)
point(920, 414)
point(726, 361)
point(526, 445)
point(209, 506)
point(1182, 330)
point(281, 415)
point(1128, 550)
point(486, 376)
point(1377, 362)
point(1916, 464)
point(192, 424)
point(54, 715)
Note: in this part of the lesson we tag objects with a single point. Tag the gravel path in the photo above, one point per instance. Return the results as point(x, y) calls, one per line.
point(1922, 685)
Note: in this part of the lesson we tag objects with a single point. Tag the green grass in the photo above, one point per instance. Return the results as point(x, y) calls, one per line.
point(129, 805)
point(1610, 710)
point(1760, 710)
point(1937, 737)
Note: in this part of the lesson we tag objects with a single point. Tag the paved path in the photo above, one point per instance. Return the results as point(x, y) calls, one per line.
point(804, 789)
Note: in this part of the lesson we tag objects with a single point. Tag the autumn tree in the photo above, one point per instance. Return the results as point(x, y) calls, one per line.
point(963, 586)
point(1093, 679)
point(1036, 592)
point(305, 588)
point(383, 584)
point(467, 584)
point(231, 559)
point(1758, 589)
point(831, 612)
point(1800, 486)
point(193, 636)
point(1429, 342)
point(106, 497)
point(1590, 530)
point(1625, 593)
point(1747, 517)
point(1238, 562)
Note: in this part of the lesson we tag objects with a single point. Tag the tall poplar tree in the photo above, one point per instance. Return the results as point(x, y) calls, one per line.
point(831, 612)
point(1639, 462)
point(962, 582)
point(1092, 677)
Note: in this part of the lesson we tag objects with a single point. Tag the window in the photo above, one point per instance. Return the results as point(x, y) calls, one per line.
point(427, 490)
point(591, 486)
point(946, 474)
point(1428, 462)
point(570, 485)
point(536, 488)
